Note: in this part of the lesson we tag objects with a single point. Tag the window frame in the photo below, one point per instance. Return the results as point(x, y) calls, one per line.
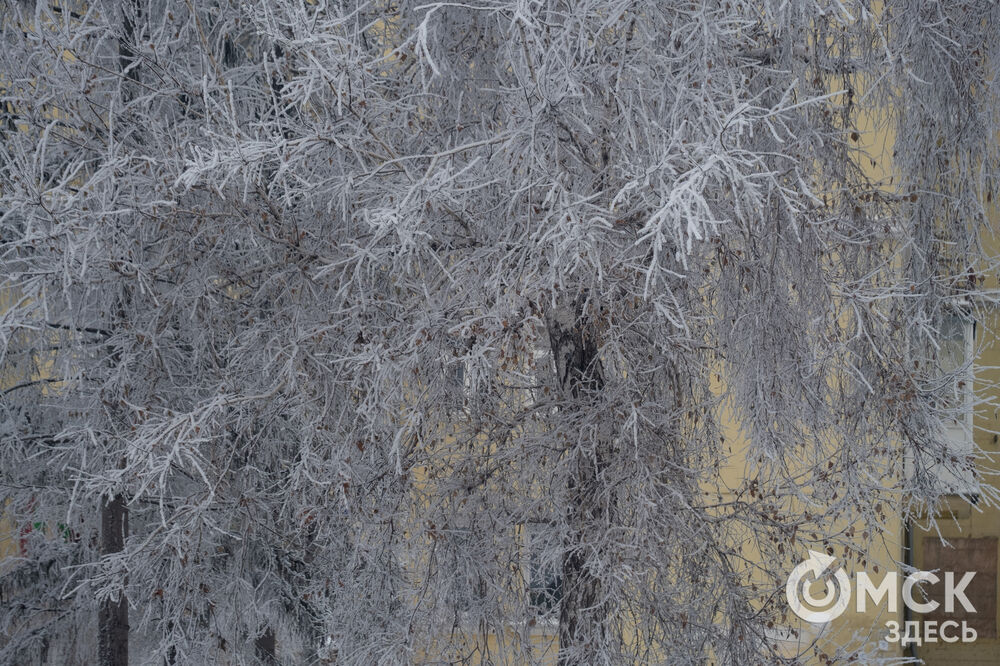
point(958, 436)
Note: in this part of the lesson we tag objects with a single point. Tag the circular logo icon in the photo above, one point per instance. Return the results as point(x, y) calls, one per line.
point(835, 599)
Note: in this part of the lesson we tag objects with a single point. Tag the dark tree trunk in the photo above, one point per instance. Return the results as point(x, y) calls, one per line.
point(113, 614)
point(583, 611)
point(265, 646)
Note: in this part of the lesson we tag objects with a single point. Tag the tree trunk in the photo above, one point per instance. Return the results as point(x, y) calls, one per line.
point(265, 646)
point(113, 613)
point(583, 611)
point(112, 616)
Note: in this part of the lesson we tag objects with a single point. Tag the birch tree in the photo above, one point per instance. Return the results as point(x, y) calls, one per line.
point(387, 327)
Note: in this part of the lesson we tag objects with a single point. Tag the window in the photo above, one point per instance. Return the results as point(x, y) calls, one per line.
point(544, 570)
point(456, 389)
point(953, 359)
point(957, 332)
point(463, 588)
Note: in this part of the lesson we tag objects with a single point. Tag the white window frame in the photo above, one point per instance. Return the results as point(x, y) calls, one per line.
point(469, 593)
point(532, 569)
point(958, 433)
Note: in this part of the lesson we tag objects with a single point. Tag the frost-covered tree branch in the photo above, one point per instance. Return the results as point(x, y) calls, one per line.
point(372, 315)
